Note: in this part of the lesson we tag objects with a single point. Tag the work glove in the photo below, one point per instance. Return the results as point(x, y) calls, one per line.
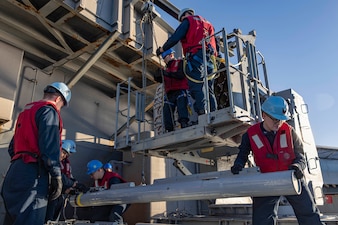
point(158, 51)
point(236, 168)
point(158, 75)
point(55, 187)
point(298, 170)
point(71, 191)
point(81, 187)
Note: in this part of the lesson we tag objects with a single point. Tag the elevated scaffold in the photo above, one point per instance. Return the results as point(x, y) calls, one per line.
point(240, 87)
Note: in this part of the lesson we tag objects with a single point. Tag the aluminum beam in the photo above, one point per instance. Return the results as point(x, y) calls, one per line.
point(196, 187)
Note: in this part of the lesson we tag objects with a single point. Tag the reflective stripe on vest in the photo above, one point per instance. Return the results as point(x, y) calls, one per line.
point(268, 158)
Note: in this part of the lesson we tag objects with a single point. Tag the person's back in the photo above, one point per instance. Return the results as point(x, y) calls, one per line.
point(35, 152)
point(191, 32)
point(199, 29)
point(110, 178)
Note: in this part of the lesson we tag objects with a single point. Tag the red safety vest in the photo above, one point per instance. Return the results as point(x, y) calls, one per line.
point(26, 140)
point(275, 158)
point(199, 28)
point(171, 83)
point(104, 182)
point(65, 168)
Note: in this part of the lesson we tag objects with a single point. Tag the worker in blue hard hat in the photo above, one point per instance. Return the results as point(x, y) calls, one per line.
point(108, 167)
point(34, 175)
point(276, 147)
point(105, 179)
point(93, 166)
point(68, 180)
point(176, 91)
point(191, 33)
point(68, 148)
point(69, 184)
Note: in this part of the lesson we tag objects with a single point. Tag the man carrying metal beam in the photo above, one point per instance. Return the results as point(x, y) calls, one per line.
point(276, 147)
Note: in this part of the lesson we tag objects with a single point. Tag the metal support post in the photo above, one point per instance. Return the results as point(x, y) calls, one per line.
point(181, 167)
point(117, 106)
point(227, 66)
point(128, 111)
point(205, 86)
point(266, 80)
point(252, 60)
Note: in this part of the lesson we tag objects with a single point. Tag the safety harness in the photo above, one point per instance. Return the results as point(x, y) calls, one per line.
point(213, 75)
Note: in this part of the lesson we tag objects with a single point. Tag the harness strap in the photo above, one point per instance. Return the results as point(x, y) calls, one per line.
point(34, 155)
point(210, 77)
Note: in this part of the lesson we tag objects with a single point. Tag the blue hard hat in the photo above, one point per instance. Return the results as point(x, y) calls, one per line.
point(276, 107)
point(69, 146)
point(61, 88)
point(165, 53)
point(93, 166)
point(107, 166)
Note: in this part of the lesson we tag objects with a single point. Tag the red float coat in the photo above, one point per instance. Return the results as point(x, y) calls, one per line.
point(104, 182)
point(65, 168)
point(275, 158)
point(199, 28)
point(174, 69)
point(26, 140)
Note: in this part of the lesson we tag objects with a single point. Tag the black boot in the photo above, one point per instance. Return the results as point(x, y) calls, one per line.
point(184, 123)
point(201, 112)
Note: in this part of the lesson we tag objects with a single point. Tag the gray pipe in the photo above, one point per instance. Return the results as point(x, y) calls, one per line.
point(195, 187)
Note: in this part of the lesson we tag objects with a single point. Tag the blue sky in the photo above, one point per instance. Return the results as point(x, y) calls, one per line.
point(299, 40)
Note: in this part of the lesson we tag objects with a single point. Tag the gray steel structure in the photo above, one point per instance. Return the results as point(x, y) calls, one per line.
point(105, 51)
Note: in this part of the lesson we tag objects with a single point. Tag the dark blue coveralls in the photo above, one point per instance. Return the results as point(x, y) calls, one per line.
point(176, 88)
point(173, 99)
point(194, 69)
point(265, 208)
point(25, 187)
point(54, 207)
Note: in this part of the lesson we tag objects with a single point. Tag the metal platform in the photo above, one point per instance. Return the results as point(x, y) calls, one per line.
point(224, 129)
point(236, 220)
